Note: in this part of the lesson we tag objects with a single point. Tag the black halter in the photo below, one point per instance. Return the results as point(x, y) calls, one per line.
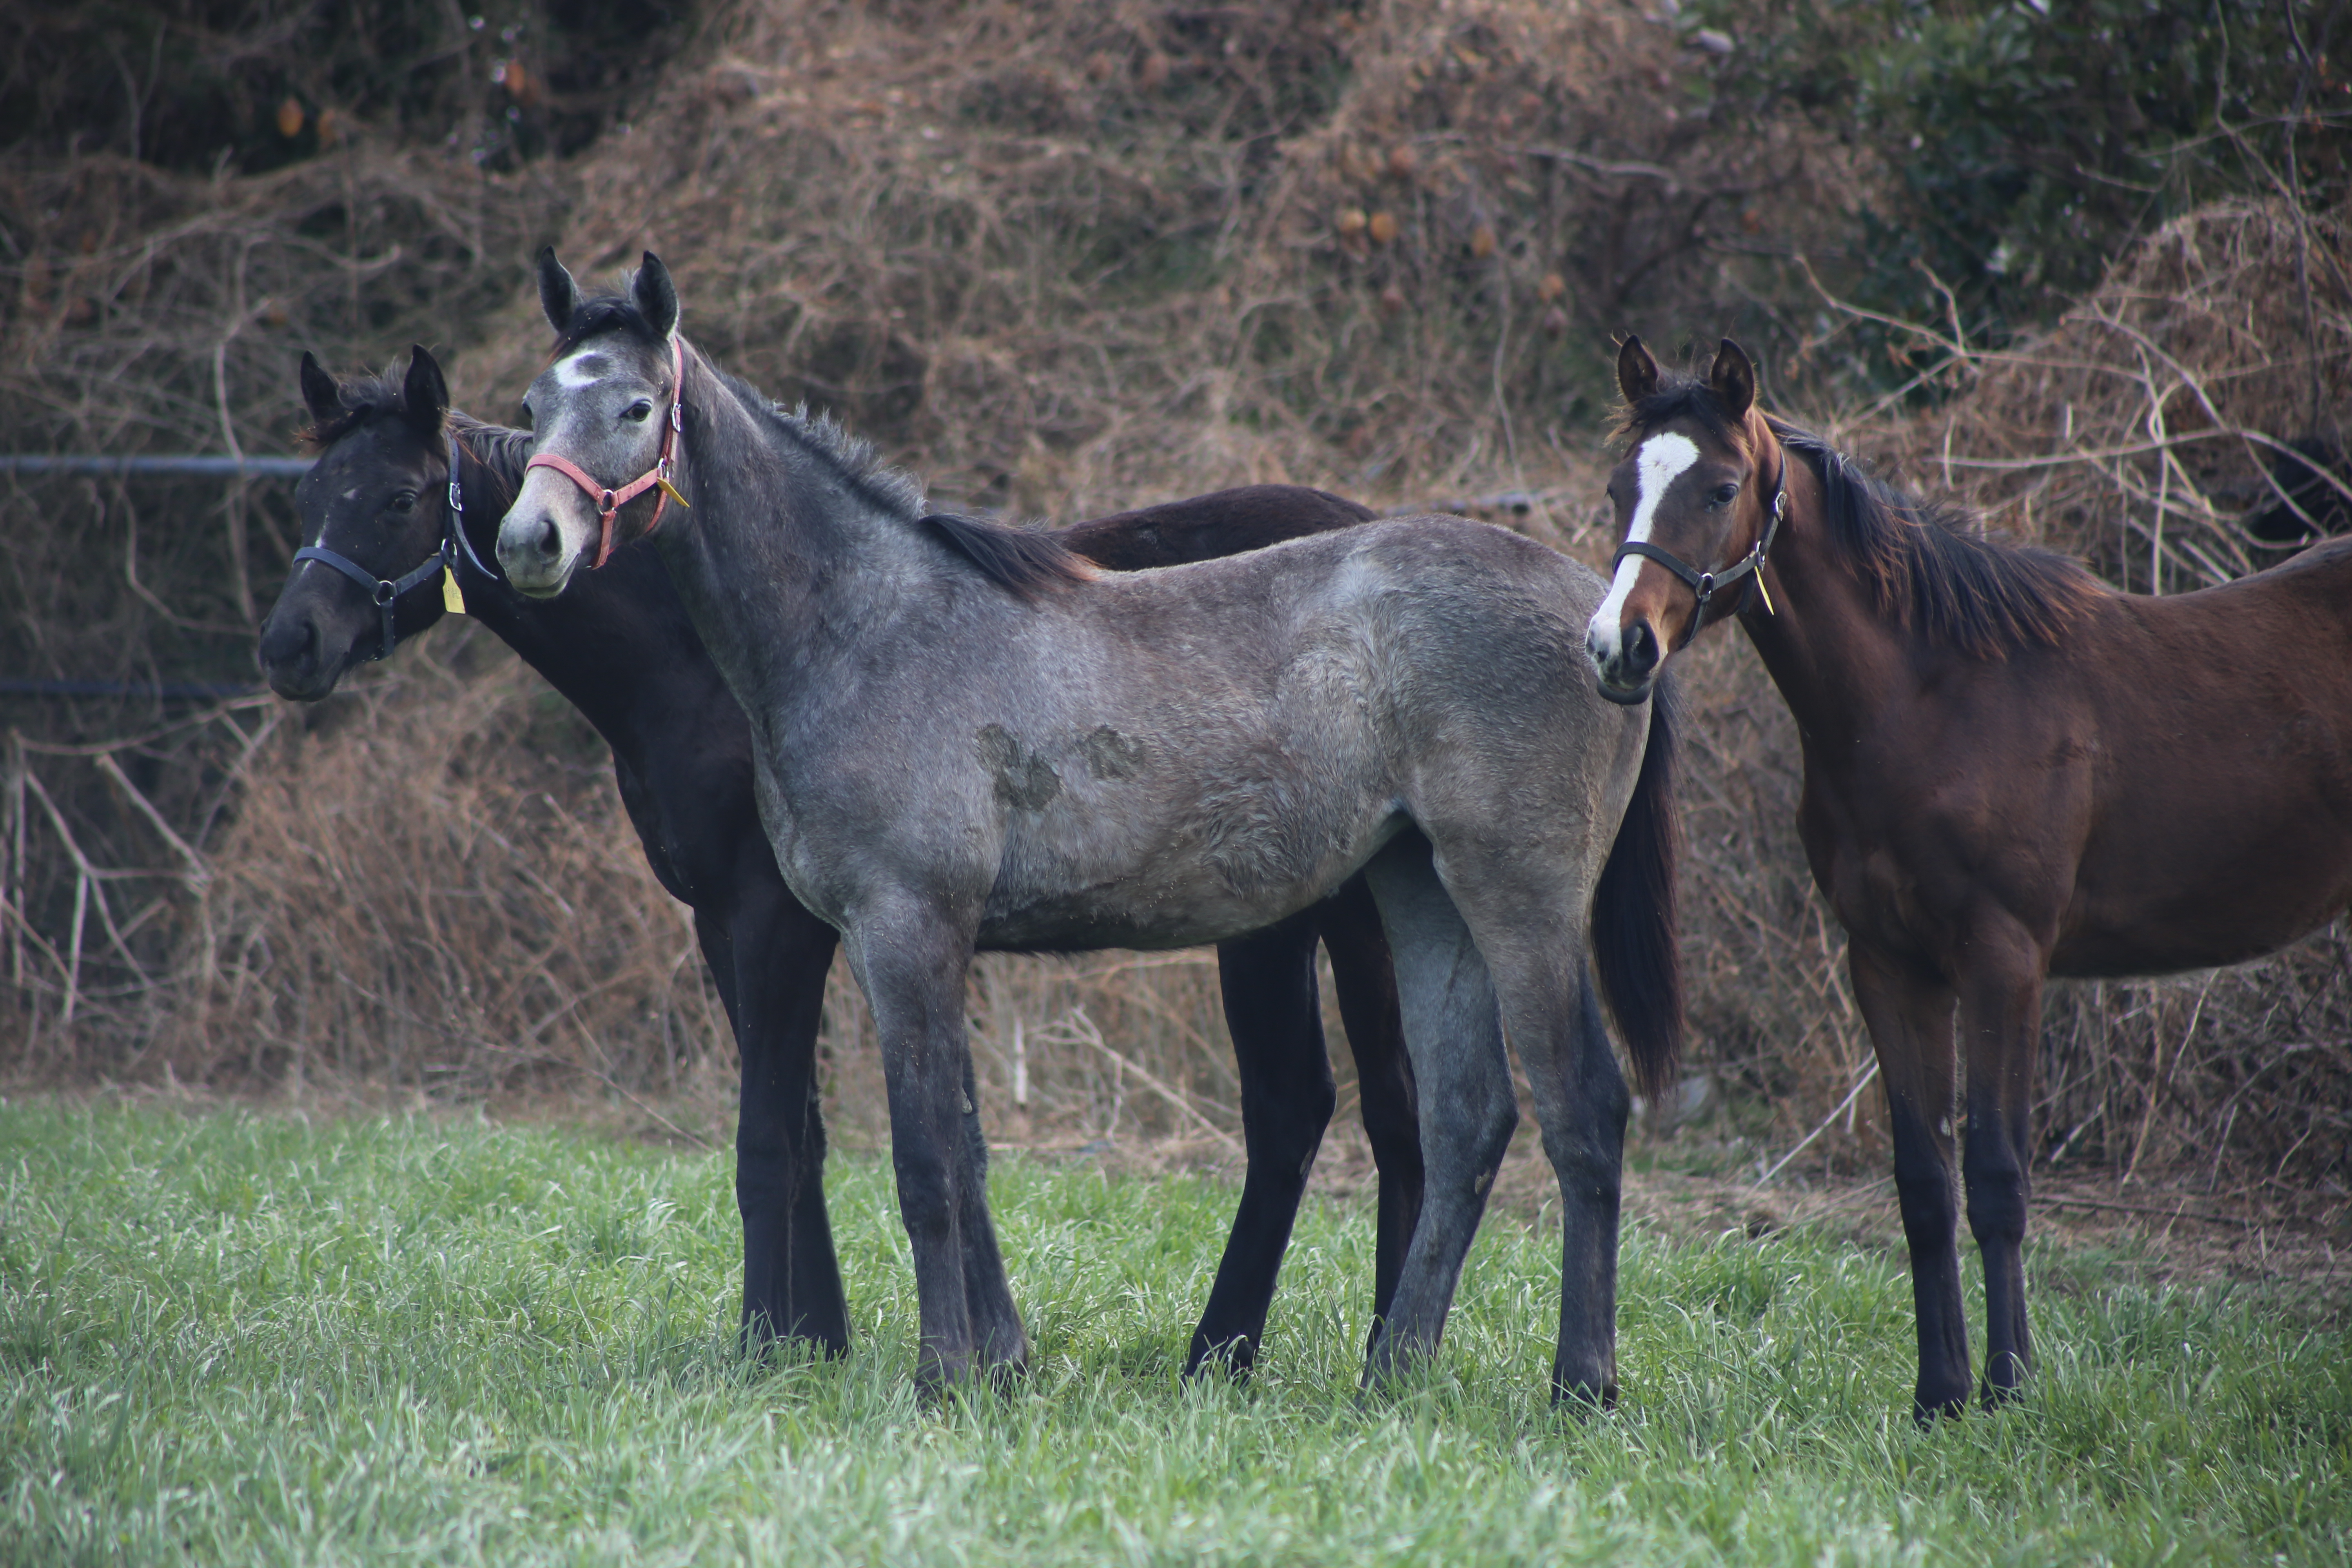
point(385, 593)
point(1704, 583)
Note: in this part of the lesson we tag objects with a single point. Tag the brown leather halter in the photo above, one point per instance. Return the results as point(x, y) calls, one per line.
point(610, 501)
point(1706, 584)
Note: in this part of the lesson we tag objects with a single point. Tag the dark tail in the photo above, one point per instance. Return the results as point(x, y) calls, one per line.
point(1634, 949)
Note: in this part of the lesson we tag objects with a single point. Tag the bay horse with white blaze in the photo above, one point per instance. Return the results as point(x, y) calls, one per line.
point(2011, 772)
point(407, 489)
point(968, 737)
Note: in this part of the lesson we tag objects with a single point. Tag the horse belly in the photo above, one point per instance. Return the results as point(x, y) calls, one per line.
point(2227, 906)
point(1174, 861)
point(2217, 851)
point(1199, 878)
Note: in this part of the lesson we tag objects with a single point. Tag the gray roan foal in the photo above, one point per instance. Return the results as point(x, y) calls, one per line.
point(968, 738)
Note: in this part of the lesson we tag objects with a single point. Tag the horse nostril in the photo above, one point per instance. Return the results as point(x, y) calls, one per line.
point(288, 643)
point(550, 542)
point(1641, 648)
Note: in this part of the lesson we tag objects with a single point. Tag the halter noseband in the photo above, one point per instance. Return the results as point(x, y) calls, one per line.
point(385, 592)
point(1705, 583)
point(609, 501)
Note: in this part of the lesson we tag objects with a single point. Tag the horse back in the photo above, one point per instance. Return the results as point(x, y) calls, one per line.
point(2223, 826)
point(1224, 523)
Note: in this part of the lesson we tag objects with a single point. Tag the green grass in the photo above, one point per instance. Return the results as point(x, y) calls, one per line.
point(236, 1338)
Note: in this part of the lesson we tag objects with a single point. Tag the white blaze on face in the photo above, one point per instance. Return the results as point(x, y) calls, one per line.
point(1657, 464)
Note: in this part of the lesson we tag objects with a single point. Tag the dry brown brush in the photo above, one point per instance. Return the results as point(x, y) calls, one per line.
point(1058, 257)
point(1075, 256)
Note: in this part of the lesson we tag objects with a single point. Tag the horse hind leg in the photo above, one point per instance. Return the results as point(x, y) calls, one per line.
point(1588, 1158)
point(2001, 1020)
point(1552, 1008)
point(1467, 1107)
point(1364, 981)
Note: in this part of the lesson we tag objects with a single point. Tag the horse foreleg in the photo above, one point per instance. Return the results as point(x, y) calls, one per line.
point(774, 955)
point(1364, 981)
point(988, 1294)
point(911, 962)
point(1274, 1015)
point(1909, 1014)
point(2000, 1026)
point(1468, 1111)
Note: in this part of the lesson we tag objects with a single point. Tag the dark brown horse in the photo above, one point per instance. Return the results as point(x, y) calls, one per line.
point(2011, 771)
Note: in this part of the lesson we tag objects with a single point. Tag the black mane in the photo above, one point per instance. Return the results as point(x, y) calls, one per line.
point(1931, 568)
point(605, 313)
point(1025, 561)
point(363, 397)
point(500, 450)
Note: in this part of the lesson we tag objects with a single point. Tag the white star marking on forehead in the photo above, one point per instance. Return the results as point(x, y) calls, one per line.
point(579, 370)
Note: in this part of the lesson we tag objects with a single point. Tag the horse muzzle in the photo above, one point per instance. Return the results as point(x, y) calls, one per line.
point(1625, 666)
point(535, 550)
point(292, 656)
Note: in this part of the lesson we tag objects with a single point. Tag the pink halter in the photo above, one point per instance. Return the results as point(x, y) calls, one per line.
point(610, 501)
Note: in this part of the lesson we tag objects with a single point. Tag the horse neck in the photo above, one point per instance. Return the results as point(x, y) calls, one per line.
point(617, 646)
point(767, 509)
point(1837, 658)
point(491, 459)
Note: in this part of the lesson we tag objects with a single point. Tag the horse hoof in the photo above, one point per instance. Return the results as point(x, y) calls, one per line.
point(1235, 1357)
point(1584, 1398)
point(1992, 1396)
point(1928, 1405)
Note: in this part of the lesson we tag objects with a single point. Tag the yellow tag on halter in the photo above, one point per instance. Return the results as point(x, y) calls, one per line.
point(452, 600)
point(670, 491)
point(1766, 594)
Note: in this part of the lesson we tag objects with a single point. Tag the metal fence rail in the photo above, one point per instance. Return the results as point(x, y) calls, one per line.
point(160, 466)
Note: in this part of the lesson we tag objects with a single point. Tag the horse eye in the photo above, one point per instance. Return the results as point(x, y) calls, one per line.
point(1724, 494)
point(639, 411)
point(405, 501)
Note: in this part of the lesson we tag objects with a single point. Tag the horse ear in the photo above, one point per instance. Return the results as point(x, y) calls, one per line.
point(320, 392)
point(655, 295)
point(1734, 379)
point(1637, 373)
point(424, 396)
point(558, 295)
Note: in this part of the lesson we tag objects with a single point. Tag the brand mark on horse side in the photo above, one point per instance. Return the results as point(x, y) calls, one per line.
point(1024, 780)
point(1111, 755)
